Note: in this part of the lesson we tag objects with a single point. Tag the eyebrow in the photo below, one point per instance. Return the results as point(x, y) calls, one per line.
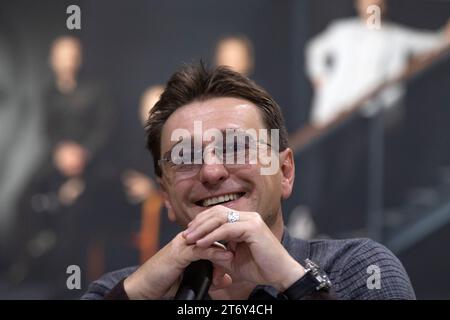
point(222, 131)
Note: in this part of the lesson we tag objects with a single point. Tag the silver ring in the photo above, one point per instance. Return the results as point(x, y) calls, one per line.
point(233, 216)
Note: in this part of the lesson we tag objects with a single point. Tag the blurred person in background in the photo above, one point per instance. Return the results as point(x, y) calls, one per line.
point(235, 52)
point(139, 184)
point(78, 117)
point(353, 56)
point(58, 205)
point(346, 63)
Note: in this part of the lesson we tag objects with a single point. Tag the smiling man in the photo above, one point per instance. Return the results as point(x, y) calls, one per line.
point(235, 202)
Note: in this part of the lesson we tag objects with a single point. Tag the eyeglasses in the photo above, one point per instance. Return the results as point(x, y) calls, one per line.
point(235, 154)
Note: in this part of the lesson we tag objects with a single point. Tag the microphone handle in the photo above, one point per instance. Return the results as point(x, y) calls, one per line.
point(196, 281)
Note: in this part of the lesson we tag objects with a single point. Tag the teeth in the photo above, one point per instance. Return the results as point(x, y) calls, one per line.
point(217, 200)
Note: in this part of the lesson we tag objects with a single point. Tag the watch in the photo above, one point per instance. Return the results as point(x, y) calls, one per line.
point(314, 280)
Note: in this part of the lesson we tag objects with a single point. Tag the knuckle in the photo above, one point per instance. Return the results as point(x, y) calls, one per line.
point(178, 237)
point(221, 209)
point(218, 220)
point(199, 216)
point(257, 222)
point(255, 215)
point(227, 227)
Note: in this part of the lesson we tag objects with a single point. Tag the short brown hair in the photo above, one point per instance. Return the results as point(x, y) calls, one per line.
point(199, 83)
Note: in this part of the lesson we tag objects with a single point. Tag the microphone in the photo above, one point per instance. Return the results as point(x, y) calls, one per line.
point(196, 281)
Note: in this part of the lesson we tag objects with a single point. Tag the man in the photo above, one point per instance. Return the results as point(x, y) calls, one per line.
point(240, 204)
point(78, 119)
point(354, 56)
point(346, 64)
point(76, 124)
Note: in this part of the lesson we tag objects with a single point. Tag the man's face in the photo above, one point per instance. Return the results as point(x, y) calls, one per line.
point(185, 197)
point(362, 5)
point(65, 58)
point(234, 54)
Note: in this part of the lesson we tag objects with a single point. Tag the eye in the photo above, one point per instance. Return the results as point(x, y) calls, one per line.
point(176, 160)
point(186, 167)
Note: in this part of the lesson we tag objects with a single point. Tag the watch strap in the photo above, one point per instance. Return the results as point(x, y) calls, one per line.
point(301, 288)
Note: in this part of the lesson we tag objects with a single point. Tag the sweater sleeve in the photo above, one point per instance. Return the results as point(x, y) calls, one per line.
point(371, 271)
point(118, 292)
point(109, 286)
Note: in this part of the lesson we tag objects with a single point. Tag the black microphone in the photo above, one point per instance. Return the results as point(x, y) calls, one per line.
point(196, 280)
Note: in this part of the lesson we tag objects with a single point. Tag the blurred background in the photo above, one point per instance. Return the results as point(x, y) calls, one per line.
point(366, 105)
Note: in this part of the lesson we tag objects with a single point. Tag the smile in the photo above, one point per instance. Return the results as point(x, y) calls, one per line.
point(220, 199)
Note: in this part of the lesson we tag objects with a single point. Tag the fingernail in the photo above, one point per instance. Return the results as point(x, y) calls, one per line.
point(190, 236)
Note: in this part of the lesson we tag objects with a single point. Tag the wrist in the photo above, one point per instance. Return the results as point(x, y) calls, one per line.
point(314, 280)
point(132, 286)
point(294, 272)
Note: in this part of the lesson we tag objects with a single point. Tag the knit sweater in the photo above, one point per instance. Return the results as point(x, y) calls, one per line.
point(358, 269)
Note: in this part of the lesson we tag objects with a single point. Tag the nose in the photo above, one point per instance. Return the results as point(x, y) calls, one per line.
point(213, 173)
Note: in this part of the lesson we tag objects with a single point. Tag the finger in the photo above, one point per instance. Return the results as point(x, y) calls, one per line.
point(204, 228)
point(213, 254)
point(205, 216)
point(226, 232)
point(221, 279)
point(220, 213)
point(218, 210)
point(221, 283)
point(231, 245)
point(184, 254)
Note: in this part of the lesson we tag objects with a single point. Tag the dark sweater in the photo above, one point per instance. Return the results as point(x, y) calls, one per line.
point(345, 261)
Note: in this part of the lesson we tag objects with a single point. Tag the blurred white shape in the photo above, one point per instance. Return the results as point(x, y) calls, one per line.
point(301, 224)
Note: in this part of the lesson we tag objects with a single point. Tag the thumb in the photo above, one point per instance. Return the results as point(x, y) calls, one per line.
point(221, 279)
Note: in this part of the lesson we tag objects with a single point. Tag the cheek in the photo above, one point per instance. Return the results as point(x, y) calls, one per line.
point(179, 201)
point(180, 191)
point(272, 186)
point(263, 183)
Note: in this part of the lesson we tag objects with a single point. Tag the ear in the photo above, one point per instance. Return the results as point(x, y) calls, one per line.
point(287, 169)
point(167, 204)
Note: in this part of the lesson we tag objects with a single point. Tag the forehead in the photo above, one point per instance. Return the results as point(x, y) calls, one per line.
point(215, 113)
point(369, 2)
point(66, 45)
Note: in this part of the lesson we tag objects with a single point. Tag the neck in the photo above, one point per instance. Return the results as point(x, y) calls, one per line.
point(66, 83)
point(277, 226)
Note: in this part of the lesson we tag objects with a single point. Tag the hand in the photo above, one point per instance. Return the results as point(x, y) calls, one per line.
point(258, 256)
point(160, 276)
point(138, 186)
point(70, 190)
point(70, 158)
